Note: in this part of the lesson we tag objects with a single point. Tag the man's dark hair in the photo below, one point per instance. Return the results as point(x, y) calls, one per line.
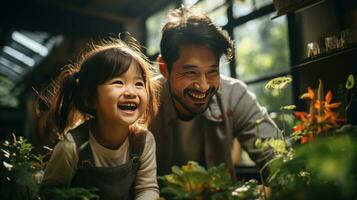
point(187, 27)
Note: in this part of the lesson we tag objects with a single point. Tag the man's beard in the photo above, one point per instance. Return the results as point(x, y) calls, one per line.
point(181, 100)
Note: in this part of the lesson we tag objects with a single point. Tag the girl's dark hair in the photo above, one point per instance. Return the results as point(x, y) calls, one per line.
point(184, 26)
point(72, 95)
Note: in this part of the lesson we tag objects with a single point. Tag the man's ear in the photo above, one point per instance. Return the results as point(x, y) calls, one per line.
point(162, 66)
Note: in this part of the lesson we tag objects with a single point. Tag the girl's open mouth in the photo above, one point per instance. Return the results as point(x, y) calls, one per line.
point(128, 106)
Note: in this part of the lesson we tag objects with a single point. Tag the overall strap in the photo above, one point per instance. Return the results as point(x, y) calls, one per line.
point(137, 145)
point(81, 137)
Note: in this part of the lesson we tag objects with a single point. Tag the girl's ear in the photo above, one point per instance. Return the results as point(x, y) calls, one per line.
point(162, 66)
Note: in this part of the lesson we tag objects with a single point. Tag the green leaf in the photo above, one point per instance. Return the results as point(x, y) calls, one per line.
point(350, 82)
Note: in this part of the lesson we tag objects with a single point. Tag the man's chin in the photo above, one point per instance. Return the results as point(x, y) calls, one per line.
point(198, 108)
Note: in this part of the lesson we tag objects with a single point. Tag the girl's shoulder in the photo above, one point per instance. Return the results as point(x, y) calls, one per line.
point(79, 134)
point(140, 140)
point(65, 147)
point(149, 137)
point(143, 134)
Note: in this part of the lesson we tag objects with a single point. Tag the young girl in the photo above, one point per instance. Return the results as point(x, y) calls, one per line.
point(112, 88)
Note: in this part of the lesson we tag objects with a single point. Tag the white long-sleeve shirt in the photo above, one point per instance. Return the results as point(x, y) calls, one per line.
point(63, 164)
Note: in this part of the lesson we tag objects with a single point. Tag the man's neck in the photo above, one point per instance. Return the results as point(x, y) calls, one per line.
point(181, 112)
point(184, 117)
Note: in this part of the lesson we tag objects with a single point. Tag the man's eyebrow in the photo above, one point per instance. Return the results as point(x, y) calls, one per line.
point(190, 66)
point(216, 65)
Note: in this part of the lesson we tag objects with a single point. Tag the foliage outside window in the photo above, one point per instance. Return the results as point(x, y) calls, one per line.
point(273, 101)
point(205, 6)
point(219, 16)
point(8, 98)
point(244, 7)
point(154, 26)
point(262, 48)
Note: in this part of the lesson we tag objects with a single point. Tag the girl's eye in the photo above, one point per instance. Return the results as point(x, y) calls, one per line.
point(140, 84)
point(118, 82)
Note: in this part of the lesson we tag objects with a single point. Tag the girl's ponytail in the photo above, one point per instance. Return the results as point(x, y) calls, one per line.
point(55, 103)
point(64, 108)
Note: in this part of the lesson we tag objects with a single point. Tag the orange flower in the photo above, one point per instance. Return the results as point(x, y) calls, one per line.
point(303, 116)
point(308, 95)
point(326, 105)
point(304, 139)
point(320, 117)
point(307, 138)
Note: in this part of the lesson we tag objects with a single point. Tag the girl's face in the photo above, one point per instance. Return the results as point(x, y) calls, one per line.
point(122, 99)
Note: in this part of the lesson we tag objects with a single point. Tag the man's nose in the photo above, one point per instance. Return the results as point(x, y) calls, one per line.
point(202, 83)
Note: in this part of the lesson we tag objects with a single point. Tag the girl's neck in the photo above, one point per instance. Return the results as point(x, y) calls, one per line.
point(108, 135)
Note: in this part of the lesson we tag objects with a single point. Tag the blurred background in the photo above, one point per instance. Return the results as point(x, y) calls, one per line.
point(38, 37)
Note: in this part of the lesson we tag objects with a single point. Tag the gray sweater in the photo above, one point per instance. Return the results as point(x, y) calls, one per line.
point(232, 113)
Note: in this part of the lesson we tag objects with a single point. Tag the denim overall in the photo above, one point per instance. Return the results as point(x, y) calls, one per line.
point(113, 182)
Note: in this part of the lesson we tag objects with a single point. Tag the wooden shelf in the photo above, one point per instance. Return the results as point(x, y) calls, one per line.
point(332, 69)
point(298, 7)
point(327, 56)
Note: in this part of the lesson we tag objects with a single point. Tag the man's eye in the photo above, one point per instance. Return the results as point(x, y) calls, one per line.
point(213, 72)
point(190, 73)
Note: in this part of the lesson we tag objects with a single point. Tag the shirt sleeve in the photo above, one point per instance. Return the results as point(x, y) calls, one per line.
point(247, 112)
point(146, 187)
point(62, 164)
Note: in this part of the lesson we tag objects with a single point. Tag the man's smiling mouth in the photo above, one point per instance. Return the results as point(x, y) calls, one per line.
point(196, 95)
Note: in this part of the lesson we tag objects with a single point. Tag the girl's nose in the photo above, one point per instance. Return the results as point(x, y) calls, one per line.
point(129, 92)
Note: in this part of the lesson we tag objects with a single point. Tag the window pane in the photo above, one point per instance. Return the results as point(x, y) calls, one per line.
point(261, 48)
point(153, 27)
point(273, 101)
point(224, 66)
point(241, 8)
point(205, 6)
point(219, 16)
point(262, 3)
point(244, 7)
point(189, 3)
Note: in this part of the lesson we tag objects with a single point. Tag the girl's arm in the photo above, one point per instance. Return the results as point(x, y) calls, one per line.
point(146, 187)
point(61, 167)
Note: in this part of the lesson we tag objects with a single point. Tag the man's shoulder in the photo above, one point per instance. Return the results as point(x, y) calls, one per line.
point(231, 86)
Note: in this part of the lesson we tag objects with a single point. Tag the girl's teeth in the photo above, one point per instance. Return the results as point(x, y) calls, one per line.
point(130, 104)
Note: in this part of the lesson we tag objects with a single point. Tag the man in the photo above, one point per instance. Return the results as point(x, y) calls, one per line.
point(201, 112)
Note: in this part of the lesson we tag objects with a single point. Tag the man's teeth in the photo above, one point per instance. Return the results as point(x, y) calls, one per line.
point(198, 96)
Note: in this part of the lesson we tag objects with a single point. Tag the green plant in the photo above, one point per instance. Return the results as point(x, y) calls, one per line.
point(67, 193)
point(325, 167)
point(18, 169)
point(194, 182)
point(21, 173)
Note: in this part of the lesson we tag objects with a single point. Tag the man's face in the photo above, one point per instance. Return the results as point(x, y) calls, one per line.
point(194, 79)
